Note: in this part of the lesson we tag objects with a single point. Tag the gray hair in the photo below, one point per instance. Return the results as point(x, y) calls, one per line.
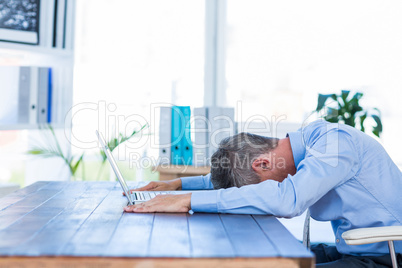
point(231, 164)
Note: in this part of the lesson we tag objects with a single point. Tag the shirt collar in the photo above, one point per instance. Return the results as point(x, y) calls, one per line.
point(297, 145)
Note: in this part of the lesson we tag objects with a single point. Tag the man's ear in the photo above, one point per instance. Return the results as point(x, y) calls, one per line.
point(261, 164)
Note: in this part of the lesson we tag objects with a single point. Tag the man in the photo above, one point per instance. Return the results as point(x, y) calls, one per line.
point(340, 173)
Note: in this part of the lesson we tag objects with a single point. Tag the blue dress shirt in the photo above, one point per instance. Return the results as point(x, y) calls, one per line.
point(343, 176)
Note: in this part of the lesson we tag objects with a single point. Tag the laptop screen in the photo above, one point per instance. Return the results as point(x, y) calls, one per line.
point(115, 168)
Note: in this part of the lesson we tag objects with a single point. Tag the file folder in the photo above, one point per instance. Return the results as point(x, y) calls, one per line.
point(185, 142)
point(27, 95)
point(177, 134)
point(25, 104)
point(214, 137)
point(33, 95)
point(222, 126)
point(201, 136)
point(49, 96)
point(165, 134)
point(43, 91)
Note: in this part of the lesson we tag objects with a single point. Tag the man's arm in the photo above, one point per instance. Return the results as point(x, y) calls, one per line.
point(317, 174)
point(197, 183)
point(171, 185)
point(330, 161)
point(185, 183)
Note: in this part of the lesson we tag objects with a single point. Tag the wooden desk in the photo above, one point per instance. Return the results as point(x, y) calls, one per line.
point(170, 172)
point(81, 224)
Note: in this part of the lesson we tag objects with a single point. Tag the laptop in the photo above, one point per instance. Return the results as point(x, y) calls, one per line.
point(137, 196)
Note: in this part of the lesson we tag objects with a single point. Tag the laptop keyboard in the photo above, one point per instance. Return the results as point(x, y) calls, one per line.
point(144, 196)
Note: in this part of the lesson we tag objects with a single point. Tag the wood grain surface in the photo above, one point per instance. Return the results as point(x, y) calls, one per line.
point(83, 224)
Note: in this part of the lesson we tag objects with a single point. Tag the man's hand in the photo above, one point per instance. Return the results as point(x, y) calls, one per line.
point(163, 203)
point(171, 185)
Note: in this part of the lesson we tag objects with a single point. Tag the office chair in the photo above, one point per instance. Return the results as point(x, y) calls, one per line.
point(363, 236)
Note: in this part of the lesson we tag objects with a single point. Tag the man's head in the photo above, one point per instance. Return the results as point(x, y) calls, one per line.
point(249, 159)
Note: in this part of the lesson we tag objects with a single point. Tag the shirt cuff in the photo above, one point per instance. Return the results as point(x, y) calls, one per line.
point(204, 201)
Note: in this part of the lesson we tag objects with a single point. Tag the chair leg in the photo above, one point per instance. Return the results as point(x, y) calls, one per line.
point(306, 230)
point(392, 253)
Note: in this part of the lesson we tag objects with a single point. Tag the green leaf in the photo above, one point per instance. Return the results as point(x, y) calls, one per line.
point(362, 118)
point(102, 153)
point(321, 101)
point(378, 128)
point(349, 121)
point(52, 147)
point(378, 111)
point(331, 115)
point(114, 142)
point(331, 112)
point(344, 96)
point(55, 139)
point(355, 107)
point(35, 152)
point(76, 165)
point(44, 152)
point(357, 96)
point(331, 119)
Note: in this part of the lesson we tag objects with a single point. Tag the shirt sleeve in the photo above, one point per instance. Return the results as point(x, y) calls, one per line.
point(197, 183)
point(329, 162)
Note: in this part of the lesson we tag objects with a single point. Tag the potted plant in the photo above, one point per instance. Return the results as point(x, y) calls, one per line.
point(113, 143)
point(52, 148)
point(346, 109)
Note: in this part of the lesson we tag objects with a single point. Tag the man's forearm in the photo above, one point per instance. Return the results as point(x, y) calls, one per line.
point(197, 183)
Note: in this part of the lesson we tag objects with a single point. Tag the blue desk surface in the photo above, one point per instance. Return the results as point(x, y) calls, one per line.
point(86, 219)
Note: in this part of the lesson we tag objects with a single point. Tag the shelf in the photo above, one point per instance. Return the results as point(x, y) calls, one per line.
point(26, 126)
point(14, 49)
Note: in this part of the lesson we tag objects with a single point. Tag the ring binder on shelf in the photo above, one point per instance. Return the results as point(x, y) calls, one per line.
point(165, 134)
point(185, 142)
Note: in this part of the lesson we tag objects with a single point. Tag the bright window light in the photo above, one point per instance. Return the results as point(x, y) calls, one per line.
point(281, 54)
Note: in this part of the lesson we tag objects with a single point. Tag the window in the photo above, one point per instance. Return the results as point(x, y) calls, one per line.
point(131, 54)
point(281, 54)
point(138, 52)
